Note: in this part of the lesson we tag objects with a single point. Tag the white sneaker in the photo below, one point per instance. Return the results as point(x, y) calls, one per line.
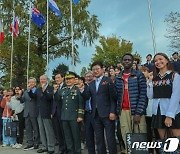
point(4, 145)
point(19, 146)
point(14, 146)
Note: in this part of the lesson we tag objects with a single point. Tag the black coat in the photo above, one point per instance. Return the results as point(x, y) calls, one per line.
point(102, 99)
point(44, 101)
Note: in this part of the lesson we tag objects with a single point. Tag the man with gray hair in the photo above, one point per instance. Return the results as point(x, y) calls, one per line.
point(44, 100)
point(30, 115)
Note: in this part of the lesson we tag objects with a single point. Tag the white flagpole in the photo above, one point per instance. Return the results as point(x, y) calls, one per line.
point(29, 39)
point(72, 38)
point(152, 28)
point(47, 56)
point(12, 49)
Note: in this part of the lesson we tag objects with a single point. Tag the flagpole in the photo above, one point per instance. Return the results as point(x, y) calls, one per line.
point(72, 38)
point(29, 39)
point(12, 50)
point(152, 28)
point(47, 56)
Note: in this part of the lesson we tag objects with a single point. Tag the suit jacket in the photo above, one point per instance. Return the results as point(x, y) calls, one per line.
point(44, 101)
point(101, 100)
point(176, 66)
point(150, 66)
point(57, 104)
point(72, 103)
point(30, 105)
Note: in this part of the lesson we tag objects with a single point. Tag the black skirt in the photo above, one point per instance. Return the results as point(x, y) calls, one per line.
point(158, 121)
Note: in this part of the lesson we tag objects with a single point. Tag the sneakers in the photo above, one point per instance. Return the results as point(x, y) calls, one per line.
point(4, 145)
point(29, 147)
point(19, 146)
point(14, 145)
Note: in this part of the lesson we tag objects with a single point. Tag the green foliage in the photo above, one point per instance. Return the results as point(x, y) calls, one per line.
point(137, 56)
point(111, 50)
point(173, 31)
point(61, 68)
point(85, 28)
point(84, 71)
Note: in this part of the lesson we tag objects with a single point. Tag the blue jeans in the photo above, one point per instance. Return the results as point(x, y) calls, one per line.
point(7, 139)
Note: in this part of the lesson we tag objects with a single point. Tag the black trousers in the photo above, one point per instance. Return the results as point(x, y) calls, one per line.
point(89, 132)
point(58, 130)
point(107, 125)
point(21, 124)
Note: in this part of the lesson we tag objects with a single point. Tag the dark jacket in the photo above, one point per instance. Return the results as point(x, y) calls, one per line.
point(150, 66)
point(101, 100)
point(137, 89)
point(44, 101)
point(57, 104)
point(176, 66)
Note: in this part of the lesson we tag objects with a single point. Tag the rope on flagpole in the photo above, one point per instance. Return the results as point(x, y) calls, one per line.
point(47, 56)
point(12, 49)
point(152, 28)
point(29, 39)
point(72, 38)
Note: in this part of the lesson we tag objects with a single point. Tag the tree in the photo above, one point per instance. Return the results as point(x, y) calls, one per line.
point(137, 56)
point(61, 68)
point(83, 71)
point(85, 28)
point(173, 31)
point(111, 50)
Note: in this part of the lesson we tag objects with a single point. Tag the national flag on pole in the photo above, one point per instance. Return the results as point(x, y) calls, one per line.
point(54, 7)
point(14, 28)
point(37, 17)
point(1, 32)
point(76, 1)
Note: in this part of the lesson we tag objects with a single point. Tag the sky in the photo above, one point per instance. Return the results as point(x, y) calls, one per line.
point(128, 19)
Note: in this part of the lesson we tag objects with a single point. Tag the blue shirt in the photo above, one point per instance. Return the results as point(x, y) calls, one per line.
point(168, 106)
point(97, 81)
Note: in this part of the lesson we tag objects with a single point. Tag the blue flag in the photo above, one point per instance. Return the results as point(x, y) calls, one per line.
point(37, 17)
point(76, 1)
point(54, 7)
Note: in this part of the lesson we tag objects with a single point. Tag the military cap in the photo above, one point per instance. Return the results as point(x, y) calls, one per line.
point(70, 75)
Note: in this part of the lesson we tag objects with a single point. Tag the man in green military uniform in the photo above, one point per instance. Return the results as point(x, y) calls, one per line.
point(72, 113)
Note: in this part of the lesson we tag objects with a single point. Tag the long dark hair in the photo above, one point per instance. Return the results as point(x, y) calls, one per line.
point(169, 67)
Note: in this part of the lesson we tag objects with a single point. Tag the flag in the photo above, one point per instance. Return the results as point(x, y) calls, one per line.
point(14, 28)
point(1, 32)
point(76, 1)
point(54, 7)
point(37, 17)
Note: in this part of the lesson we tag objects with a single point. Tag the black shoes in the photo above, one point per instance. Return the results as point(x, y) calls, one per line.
point(41, 150)
point(28, 147)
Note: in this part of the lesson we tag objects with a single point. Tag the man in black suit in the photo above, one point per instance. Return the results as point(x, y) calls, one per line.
point(175, 62)
point(56, 113)
point(149, 64)
point(44, 100)
point(103, 109)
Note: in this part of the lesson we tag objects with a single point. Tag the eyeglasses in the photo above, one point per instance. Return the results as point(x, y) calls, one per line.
point(17, 89)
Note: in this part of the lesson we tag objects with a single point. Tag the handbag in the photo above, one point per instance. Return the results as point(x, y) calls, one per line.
point(135, 142)
point(11, 128)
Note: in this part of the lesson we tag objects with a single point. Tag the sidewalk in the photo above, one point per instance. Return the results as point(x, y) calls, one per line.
point(9, 150)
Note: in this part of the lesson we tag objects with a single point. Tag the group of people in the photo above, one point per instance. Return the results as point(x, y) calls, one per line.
point(103, 106)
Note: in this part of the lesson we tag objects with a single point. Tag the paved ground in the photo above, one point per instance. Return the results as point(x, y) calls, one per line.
point(9, 150)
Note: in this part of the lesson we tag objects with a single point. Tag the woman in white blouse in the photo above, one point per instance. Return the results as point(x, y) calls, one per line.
point(164, 88)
